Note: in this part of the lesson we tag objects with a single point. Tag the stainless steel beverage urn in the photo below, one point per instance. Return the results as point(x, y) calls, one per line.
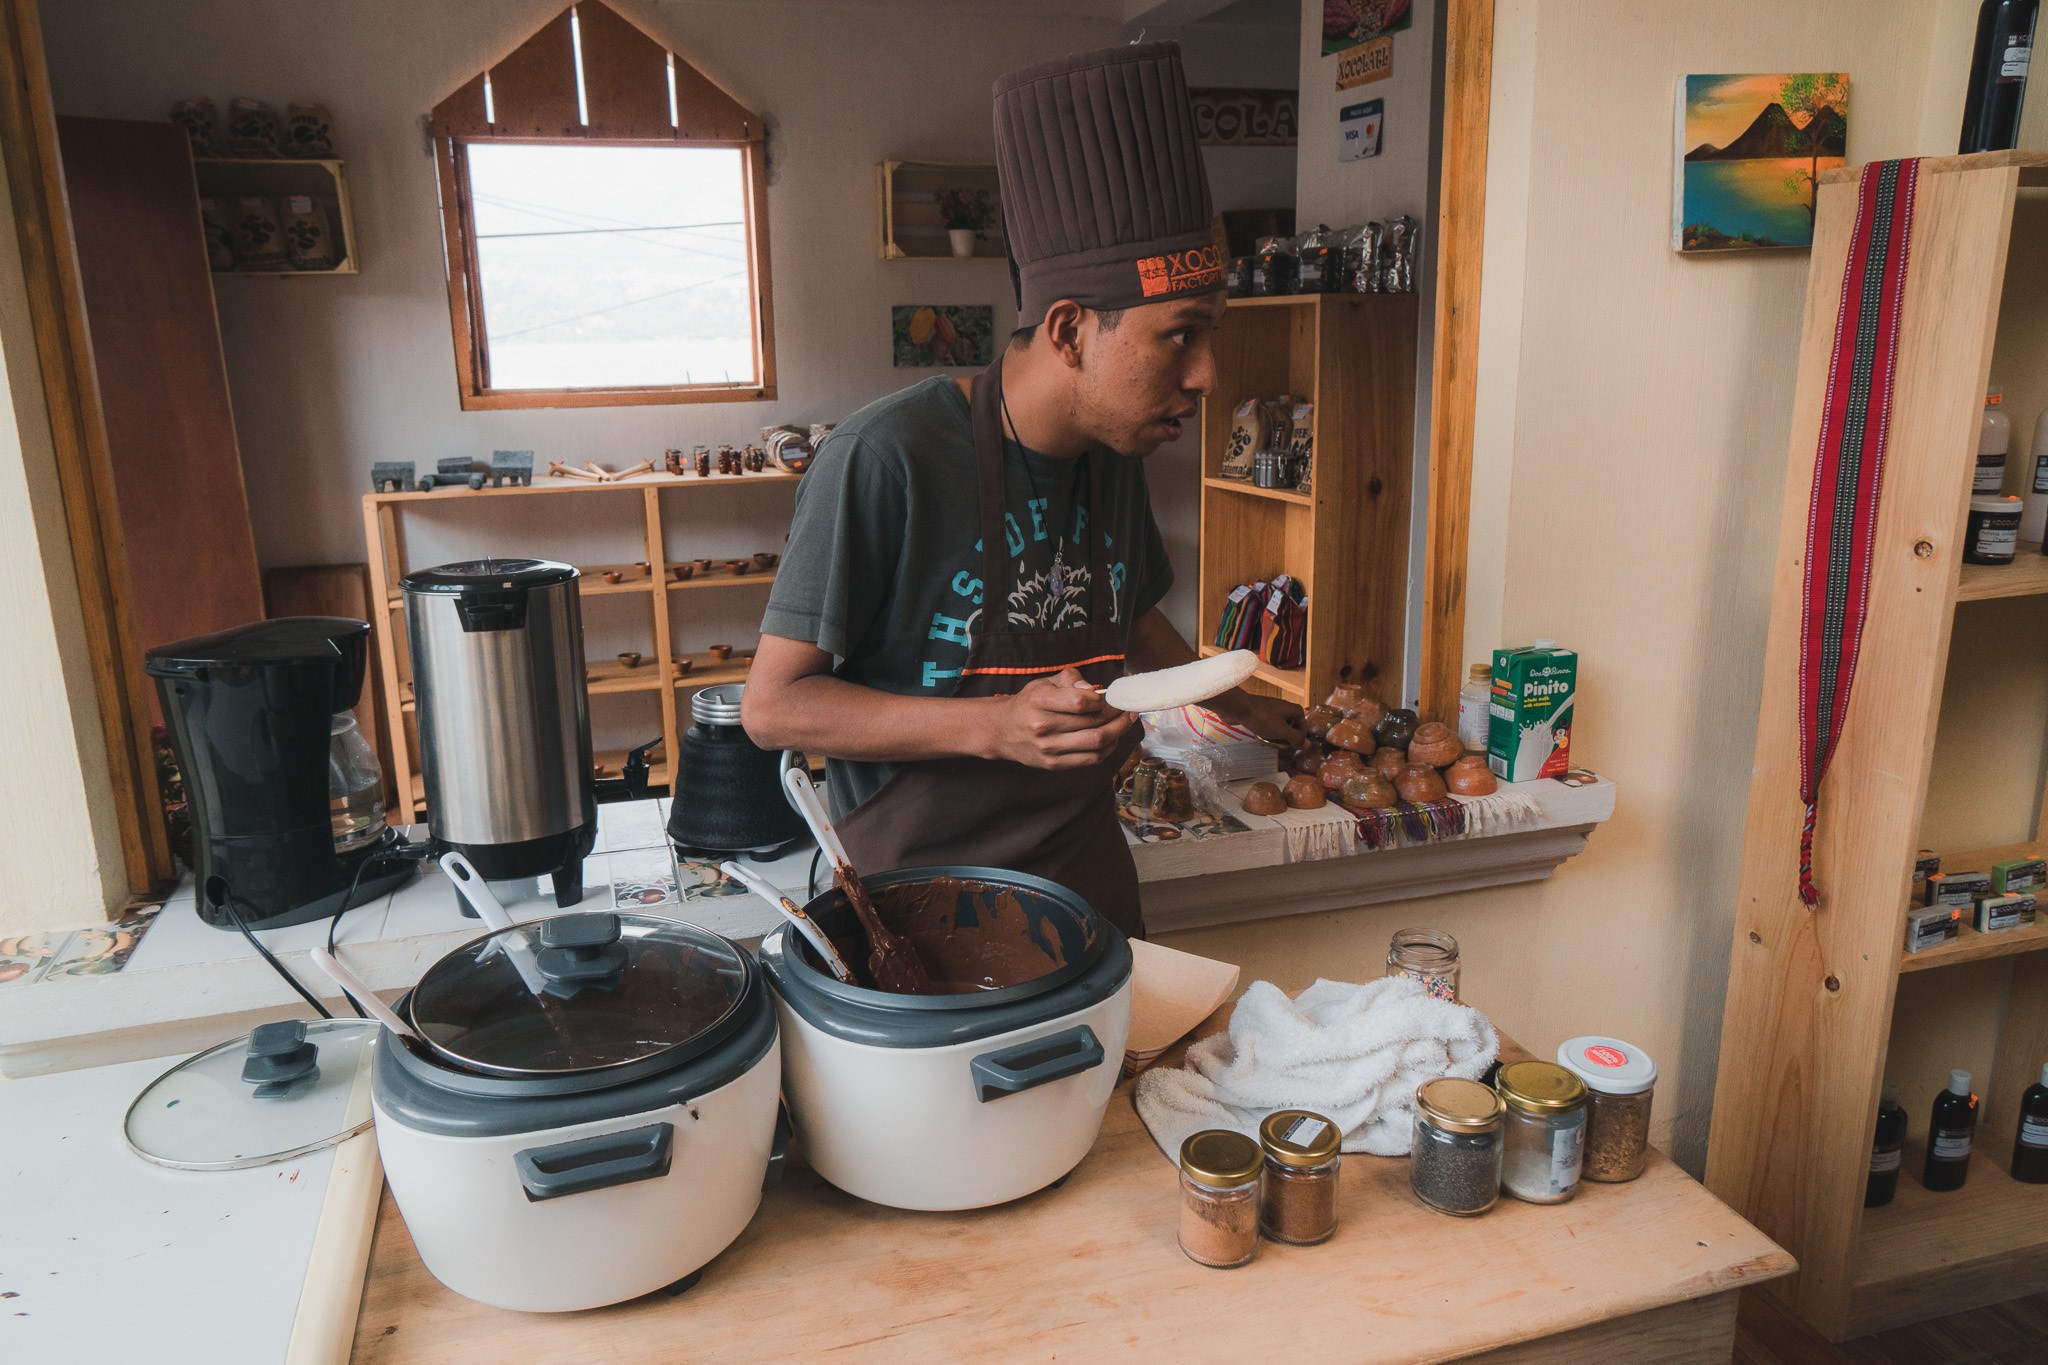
point(504, 722)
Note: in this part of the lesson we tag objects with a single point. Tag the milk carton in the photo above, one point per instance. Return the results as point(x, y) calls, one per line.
point(1530, 715)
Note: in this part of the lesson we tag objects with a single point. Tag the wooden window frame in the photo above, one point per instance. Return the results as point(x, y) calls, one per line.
point(591, 78)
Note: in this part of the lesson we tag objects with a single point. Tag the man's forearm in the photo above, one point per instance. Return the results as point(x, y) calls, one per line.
point(832, 718)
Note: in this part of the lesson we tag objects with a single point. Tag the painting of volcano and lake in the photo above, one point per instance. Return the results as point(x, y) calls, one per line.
point(1749, 154)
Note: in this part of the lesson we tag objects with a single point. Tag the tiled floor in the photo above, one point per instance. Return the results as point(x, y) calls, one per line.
point(2010, 1333)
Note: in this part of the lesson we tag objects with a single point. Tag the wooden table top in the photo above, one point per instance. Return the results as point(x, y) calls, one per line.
point(1093, 1266)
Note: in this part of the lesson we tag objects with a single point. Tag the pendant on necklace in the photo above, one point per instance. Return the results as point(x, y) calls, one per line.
point(1056, 577)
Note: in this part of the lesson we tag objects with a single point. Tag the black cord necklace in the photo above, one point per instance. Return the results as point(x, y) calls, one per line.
point(1056, 576)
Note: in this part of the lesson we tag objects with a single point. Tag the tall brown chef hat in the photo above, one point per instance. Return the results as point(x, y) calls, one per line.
point(1104, 197)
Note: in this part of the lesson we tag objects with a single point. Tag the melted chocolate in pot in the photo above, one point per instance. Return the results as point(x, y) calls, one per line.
point(1000, 944)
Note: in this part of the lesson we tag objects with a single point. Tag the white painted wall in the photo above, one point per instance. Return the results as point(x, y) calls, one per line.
point(1629, 462)
point(61, 863)
point(330, 374)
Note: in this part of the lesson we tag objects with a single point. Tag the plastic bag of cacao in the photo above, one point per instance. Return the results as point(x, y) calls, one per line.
point(308, 130)
point(308, 242)
point(220, 245)
point(258, 235)
point(201, 122)
point(252, 128)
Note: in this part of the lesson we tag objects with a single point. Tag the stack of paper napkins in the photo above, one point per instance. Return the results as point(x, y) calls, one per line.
point(1235, 753)
point(1171, 992)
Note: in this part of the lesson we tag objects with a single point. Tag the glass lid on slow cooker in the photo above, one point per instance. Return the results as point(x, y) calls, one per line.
point(280, 1092)
point(579, 992)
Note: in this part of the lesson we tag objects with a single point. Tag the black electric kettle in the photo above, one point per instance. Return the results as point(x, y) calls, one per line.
point(728, 790)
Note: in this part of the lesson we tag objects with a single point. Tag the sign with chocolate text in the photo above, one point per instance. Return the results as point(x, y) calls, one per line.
point(1230, 117)
point(1366, 63)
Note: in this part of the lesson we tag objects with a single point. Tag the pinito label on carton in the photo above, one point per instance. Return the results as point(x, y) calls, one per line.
point(1530, 715)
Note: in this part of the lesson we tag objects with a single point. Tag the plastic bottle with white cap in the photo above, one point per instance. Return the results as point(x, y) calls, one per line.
point(1951, 1132)
point(2034, 520)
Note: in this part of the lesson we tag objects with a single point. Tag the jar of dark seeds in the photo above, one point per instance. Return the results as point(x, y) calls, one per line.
point(1620, 1082)
point(1456, 1162)
point(1219, 1198)
point(1299, 1200)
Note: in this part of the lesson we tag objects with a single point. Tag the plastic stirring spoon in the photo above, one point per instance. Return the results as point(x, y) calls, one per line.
point(363, 995)
point(892, 962)
point(496, 918)
point(794, 913)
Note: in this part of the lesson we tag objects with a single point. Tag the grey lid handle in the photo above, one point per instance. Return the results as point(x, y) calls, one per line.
point(596, 1163)
point(1035, 1062)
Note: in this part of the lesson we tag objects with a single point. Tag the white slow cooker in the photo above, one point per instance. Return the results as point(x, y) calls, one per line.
point(953, 1101)
point(595, 1117)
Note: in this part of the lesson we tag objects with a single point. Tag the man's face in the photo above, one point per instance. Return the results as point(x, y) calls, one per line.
point(1139, 381)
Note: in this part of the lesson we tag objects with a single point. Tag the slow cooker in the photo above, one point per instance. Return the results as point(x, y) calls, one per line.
point(964, 1099)
point(592, 1116)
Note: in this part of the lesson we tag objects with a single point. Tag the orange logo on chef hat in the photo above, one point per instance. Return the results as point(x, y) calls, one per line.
point(1177, 272)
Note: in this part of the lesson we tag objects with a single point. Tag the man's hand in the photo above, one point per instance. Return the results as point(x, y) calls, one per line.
point(1270, 718)
point(1057, 722)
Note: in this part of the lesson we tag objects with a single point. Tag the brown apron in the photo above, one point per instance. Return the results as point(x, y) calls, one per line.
point(991, 812)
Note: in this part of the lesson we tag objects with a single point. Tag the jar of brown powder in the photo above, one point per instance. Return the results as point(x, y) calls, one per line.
point(1299, 1201)
point(1219, 1198)
point(1621, 1082)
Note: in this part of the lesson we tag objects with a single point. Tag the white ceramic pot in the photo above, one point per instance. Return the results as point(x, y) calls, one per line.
point(962, 239)
point(596, 1176)
point(953, 1102)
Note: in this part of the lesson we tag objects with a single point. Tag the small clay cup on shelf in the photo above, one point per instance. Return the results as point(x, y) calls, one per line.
point(1263, 798)
point(1396, 729)
point(721, 652)
point(1317, 720)
point(612, 575)
point(1352, 734)
point(1304, 793)
point(1389, 763)
point(681, 572)
point(1308, 759)
point(1435, 745)
point(703, 566)
point(1470, 776)
point(683, 663)
point(1368, 792)
point(644, 567)
point(1419, 784)
point(739, 568)
point(764, 560)
point(630, 658)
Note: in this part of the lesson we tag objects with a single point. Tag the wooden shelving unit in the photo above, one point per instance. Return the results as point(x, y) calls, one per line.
point(274, 177)
point(659, 674)
point(1811, 992)
point(1353, 356)
point(912, 229)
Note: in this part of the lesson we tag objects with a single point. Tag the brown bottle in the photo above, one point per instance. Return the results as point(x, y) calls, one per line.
point(2030, 1143)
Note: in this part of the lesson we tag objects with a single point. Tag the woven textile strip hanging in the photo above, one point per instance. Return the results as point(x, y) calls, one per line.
point(1848, 475)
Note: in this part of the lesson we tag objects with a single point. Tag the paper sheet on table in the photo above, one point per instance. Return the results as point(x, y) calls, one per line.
point(1171, 992)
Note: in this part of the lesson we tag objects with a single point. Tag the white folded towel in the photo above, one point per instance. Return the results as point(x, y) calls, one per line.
point(1352, 1053)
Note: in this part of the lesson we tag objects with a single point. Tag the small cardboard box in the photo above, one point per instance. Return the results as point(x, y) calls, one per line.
point(1960, 889)
point(1529, 731)
point(1931, 926)
point(2019, 874)
point(2013, 910)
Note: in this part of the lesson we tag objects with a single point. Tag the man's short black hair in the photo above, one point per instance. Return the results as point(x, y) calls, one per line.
point(1106, 318)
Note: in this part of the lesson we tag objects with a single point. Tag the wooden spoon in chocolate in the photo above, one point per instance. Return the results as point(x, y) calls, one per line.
point(892, 961)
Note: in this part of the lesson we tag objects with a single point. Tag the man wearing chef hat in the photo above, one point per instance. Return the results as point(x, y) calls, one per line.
point(968, 563)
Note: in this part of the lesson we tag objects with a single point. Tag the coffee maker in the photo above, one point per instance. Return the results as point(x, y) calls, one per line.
point(286, 795)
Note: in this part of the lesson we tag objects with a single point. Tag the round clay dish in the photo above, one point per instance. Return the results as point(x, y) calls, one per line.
point(1389, 763)
point(1396, 730)
point(1345, 696)
point(1317, 720)
point(1353, 734)
point(1470, 776)
point(1368, 713)
point(1369, 792)
point(1308, 759)
point(1419, 784)
point(1435, 744)
point(1263, 798)
point(1305, 793)
point(721, 652)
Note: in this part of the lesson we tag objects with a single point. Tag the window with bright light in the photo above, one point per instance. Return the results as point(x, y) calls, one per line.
point(612, 268)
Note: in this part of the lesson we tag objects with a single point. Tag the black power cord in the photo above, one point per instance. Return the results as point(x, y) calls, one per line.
point(217, 892)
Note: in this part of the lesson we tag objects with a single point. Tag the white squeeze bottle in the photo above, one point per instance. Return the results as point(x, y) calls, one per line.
point(2034, 515)
point(1475, 696)
point(1994, 438)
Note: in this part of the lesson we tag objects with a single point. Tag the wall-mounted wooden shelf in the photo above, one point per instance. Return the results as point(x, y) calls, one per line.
point(656, 675)
point(912, 228)
point(1353, 356)
point(232, 177)
point(2026, 576)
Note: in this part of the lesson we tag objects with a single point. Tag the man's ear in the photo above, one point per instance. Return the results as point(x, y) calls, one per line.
point(1062, 331)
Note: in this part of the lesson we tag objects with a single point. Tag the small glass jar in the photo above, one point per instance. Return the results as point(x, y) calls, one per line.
point(1621, 1082)
point(1992, 534)
point(1428, 955)
point(1298, 1204)
point(1219, 1198)
point(1455, 1163)
point(1544, 1131)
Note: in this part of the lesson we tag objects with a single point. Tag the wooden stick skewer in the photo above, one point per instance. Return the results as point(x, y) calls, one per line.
point(562, 471)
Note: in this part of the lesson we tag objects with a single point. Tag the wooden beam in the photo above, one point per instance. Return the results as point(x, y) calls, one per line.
point(1461, 231)
point(35, 183)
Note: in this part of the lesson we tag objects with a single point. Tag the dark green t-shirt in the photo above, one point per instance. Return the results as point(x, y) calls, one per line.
point(884, 564)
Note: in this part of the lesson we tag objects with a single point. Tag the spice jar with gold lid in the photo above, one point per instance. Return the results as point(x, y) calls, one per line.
point(1545, 1131)
point(1219, 1198)
point(1299, 1201)
point(1455, 1163)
